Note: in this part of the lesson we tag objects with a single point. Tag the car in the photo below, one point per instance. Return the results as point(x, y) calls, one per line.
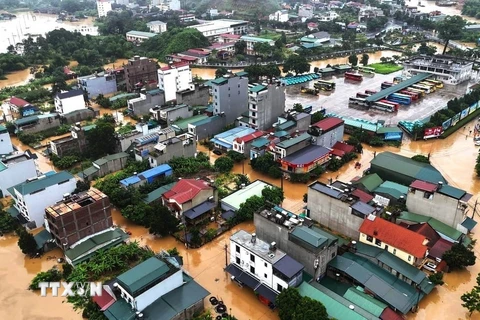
point(217, 152)
point(430, 266)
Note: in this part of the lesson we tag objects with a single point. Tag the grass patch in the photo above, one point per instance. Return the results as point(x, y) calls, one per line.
point(385, 68)
point(460, 124)
point(267, 34)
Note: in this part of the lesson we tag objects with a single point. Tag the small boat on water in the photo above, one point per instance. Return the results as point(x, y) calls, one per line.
point(446, 3)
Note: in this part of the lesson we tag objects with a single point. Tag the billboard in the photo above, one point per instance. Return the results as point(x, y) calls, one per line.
point(432, 132)
point(464, 113)
point(447, 124)
point(456, 118)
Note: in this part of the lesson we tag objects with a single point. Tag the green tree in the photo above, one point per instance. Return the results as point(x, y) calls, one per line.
point(240, 47)
point(235, 156)
point(26, 242)
point(7, 222)
point(283, 37)
point(471, 300)
point(426, 49)
point(220, 72)
point(101, 140)
point(162, 222)
point(353, 60)
point(81, 186)
point(263, 49)
point(436, 278)
point(459, 257)
point(297, 64)
point(421, 158)
point(273, 195)
point(298, 107)
point(450, 28)
point(102, 101)
point(224, 164)
point(51, 275)
point(364, 59)
point(292, 306)
point(241, 179)
point(317, 116)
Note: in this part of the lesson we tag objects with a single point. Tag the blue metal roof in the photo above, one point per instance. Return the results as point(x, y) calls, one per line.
point(469, 223)
point(223, 144)
point(402, 85)
point(161, 169)
point(288, 266)
point(197, 211)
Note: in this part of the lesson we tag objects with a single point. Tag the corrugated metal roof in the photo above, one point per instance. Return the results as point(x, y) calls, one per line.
point(437, 225)
point(288, 266)
point(197, 211)
point(141, 34)
point(235, 199)
point(29, 187)
point(367, 302)
point(400, 86)
point(143, 275)
point(309, 236)
point(157, 193)
point(120, 310)
point(291, 142)
point(370, 182)
point(257, 88)
point(260, 142)
point(306, 155)
point(389, 129)
point(469, 223)
point(393, 189)
point(452, 192)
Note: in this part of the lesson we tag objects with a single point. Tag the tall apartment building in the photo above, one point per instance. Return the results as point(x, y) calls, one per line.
point(6, 146)
point(230, 96)
point(174, 78)
point(103, 7)
point(140, 71)
point(449, 69)
point(78, 216)
point(265, 104)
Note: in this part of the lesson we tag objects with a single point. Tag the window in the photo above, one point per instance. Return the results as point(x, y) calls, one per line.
point(237, 248)
point(265, 275)
point(409, 258)
point(378, 242)
point(428, 195)
point(252, 269)
point(237, 260)
point(369, 239)
point(265, 264)
point(394, 251)
point(334, 254)
point(252, 257)
point(279, 288)
point(386, 247)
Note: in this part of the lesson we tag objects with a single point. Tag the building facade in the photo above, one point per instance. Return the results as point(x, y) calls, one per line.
point(138, 37)
point(6, 146)
point(252, 41)
point(168, 115)
point(15, 169)
point(148, 99)
point(328, 131)
point(157, 26)
point(75, 144)
point(290, 146)
point(230, 96)
point(174, 78)
point(140, 71)
point(37, 123)
point(265, 105)
point(280, 16)
point(69, 101)
point(449, 69)
point(98, 83)
point(103, 7)
point(212, 29)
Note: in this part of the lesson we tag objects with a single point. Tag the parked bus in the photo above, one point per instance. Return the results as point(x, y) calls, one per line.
point(397, 79)
point(400, 98)
point(421, 87)
point(325, 85)
point(370, 91)
point(353, 76)
point(358, 102)
point(386, 85)
point(437, 83)
point(383, 106)
point(362, 95)
point(430, 85)
point(420, 93)
point(413, 95)
point(394, 104)
point(367, 70)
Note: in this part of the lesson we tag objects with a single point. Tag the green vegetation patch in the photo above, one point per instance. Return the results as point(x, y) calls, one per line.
point(385, 68)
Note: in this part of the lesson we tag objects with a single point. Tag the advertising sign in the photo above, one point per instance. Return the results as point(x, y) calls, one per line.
point(432, 132)
point(473, 107)
point(447, 124)
point(464, 113)
point(456, 118)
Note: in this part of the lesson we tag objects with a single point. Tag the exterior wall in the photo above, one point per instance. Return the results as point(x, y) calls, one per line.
point(328, 139)
point(141, 106)
point(263, 268)
point(103, 7)
point(96, 85)
point(158, 28)
point(333, 213)
point(176, 150)
point(440, 207)
point(201, 197)
point(231, 102)
point(208, 129)
point(140, 69)
point(41, 125)
point(64, 147)
point(396, 252)
point(69, 104)
point(198, 97)
point(79, 115)
point(173, 80)
point(167, 285)
point(168, 114)
point(113, 166)
point(266, 106)
point(16, 173)
point(299, 146)
point(5, 143)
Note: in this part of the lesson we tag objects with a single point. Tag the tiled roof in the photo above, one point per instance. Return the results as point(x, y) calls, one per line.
point(424, 186)
point(328, 124)
point(362, 195)
point(185, 190)
point(395, 236)
point(427, 231)
point(18, 102)
point(250, 137)
point(342, 148)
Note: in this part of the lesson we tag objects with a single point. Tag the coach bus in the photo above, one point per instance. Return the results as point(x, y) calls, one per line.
point(394, 104)
point(362, 95)
point(400, 98)
point(413, 95)
point(420, 93)
point(437, 83)
point(383, 106)
point(325, 85)
point(353, 76)
point(430, 85)
point(386, 85)
point(358, 102)
point(370, 91)
point(420, 87)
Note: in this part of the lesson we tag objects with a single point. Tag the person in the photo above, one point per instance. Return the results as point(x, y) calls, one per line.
point(470, 131)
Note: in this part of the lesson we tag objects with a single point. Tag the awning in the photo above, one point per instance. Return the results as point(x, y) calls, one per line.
point(199, 210)
point(221, 143)
point(469, 223)
point(266, 292)
point(228, 214)
point(242, 277)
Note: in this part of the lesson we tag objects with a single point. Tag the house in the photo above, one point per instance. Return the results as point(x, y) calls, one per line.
point(228, 38)
point(309, 245)
point(265, 104)
point(156, 288)
point(98, 83)
point(261, 266)
point(234, 200)
point(225, 140)
point(36, 193)
point(15, 169)
point(103, 166)
point(230, 96)
point(183, 145)
point(450, 70)
point(251, 41)
point(403, 243)
point(390, 193)
point(78, 216)
point(157, 26)
point(37, 123)
point(6, 146)
point(198, 94)
point(148, 99)
point(316, 39)
point(339, 207)
point(243, 144)
point(167, 115)
point(368, 12)
point(140, 71)
point(340, 149)
point(292, 145)
point(139, 36)
point(214, 28)
point(328, 16)
point(368, 183)
point(328, 132)
point(305, 11)
point(69, 101)
point(280, 16)
point(190, 199)
point(205, 126)
point(305, 160)
point(14, 104)
point(147, 176)
point(76, 143)
point(293, 123)
point(196, 56)
point(156, 195)
point(174, 78)
point(259, 147)
point(103, 8)
point(187, 17)
point(403, 170)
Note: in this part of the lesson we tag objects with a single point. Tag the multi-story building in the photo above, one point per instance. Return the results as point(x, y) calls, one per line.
point(174, 78)
point(138, 37)
point(78, 216)
point(6, 146)
point(181, 146)
point(265, 104)
point(337, 207)
point(328, 131)
point(15, 169)
point(35, 194)
point(69, 101)
point(243, 144)
point(157, 26)
point(98, 83)
point(449, 69)
point(75, 144)
point(230, 96)
point(148, 99)
point(292, 145)
point(262, 266)
point(251, 41)
point(168, 115)
point(309, 245)
point(280, 16)
point(305, 11)
point(103, 7)
point(140, 71)
point(175, 5)
point(328, 16)
point(37, 123)
point(305, 160)
point(403, 243)
point(214, 28)
point(225, 140)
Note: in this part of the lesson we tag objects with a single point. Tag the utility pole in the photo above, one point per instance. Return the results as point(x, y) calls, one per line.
point(474, 208)
point(226, 260)
point(243, 167)
point(281, 182)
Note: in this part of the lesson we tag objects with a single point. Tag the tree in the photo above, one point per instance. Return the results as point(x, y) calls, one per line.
point(81, 186)
point(297, 64)
point(471, 300)
point(273, 195)
point(421, 158)
point(220, 72)
point(47, 276)
point(224, 164)
point(102, 101)
point(436, 278)
point(298, 107)
point(317, 116)
point(292, 306)
point(240, 47)
point(283, 37)
point(26, 242)
point(425, 49)
point(353, 60)
point(101, 139)
point(459, 257)
point(450, 28)
point(364, 59)
point(7, 222)
point(235, 156)
point(161, 220)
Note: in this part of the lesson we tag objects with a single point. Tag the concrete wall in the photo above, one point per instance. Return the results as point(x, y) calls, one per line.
point(198, 97)
point(5, 143)
point(232, 102)
point(331, 137)
point(112, 166)
point(141, 107)
point(70, 104)
point(296, 147)
point(41, 125)
point(209, 129)
point(96, 85)
point(270, 105)
point(176, 150)
point(333, 213)
point(16, 173)
point(79, 115)
point(126, 140)
point(152, 294)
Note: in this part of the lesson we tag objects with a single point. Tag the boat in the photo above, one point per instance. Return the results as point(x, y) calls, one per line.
point(446, 3)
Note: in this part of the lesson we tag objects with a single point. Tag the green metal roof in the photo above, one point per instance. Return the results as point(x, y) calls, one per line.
point(88, 172)
point(257, 88)
point(438, 226)
point(204, 121)
point(366, 301)
point(393, 189)
point(256, 39)
point(334, 308)
point(343, 67)
point(388, 129)
point(260, 142)
point(25, 120)
point(183, 123)
point(219, 81)
point(324, 70)
point(234, 200)
point(286, 125)
point(331, 237)
point(157, 193)
point(2, 166)
point(400, 86)
point(89, 127)
point(185, 296)
point(100, 162)
point(370, 182)
point(280, 134)
point(25, 188)
point(309, 236)
point(120, 310)
point(3, 129)
point(143, 275)
point(116, 156)
point(452, 192)
point(141, 33)
point(41, 238)
point(291, 142)
point(242, 74)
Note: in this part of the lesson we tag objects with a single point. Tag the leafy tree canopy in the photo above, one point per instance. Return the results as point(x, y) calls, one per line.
point(297, 64)
point(224, 164)
point(459, 257)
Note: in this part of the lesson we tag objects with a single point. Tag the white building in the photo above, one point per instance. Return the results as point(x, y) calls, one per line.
point(174, 78)
point(139, 36)
point(122, 2)
point(103, 7)
point(449, 69)
point(15, 169)
point(157, 26)
point(175, 5)
point(68, 101)
point(328, 16)
point(280, 16)
point(212, 29)
point(5, 141)
point(261, 266)
point(251, 41)
point(34, 195)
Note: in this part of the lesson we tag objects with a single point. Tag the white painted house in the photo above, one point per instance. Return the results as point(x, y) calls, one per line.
point(15, 169)
point(280, 16)
point(261, 266)
point(103, 7)
point(157, 26)
point(34, 195)
point(5, 141)
point(69, 101)
point(174, 78)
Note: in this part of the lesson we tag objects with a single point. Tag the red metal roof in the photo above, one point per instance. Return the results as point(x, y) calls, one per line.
point(250, 137)
point(341, 148)
point(18, 102)
point(395, 236)
point(104, 301)
point(439, 248)
point(426, 230)
point(185, 190)
point(328, 124)
point(174, 65)
point(389, 314)
point(67, 71)
point(230, 36)
point(362, 195)
point(424, 186)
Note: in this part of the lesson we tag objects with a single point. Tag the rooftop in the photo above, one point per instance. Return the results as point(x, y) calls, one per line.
point(363, 208)
point(256, 39)
point(257, 88)
point(235, 199)
point(217, 24)
point(200, 209)
point(69, 94)
point(288, 266)
point(395, 88)
point(260, 142)
point(185, 190)
point(141, 34)
point(17, 102)
point(41, 182)
point(359, 123)
point(307, 155)
point(147, 174)
point(75, 202)
point(438, 226)
point(424, 186)
point(259, 247)
point(250, 137)
point(362, 195)
point(325, 189)
point(157, 193)
point(393, 189)
point(182, 124)
point(310, 237)
point(155, 23)
point(367, 302)
point(291, 142)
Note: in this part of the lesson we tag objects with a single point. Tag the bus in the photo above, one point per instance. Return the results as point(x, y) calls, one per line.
point(419, 92)
point(437, 83)
point(383, 106)
point(395, 105)
point(358, 102)
point(430, 85)
point(386, 85)
point(325, 85)
point(420, 87)
point(397, 79)
point(370, 91)
point(353, 76)
point(367, 70)
point(400, 98)
point(413, 95)
point(362, 95)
